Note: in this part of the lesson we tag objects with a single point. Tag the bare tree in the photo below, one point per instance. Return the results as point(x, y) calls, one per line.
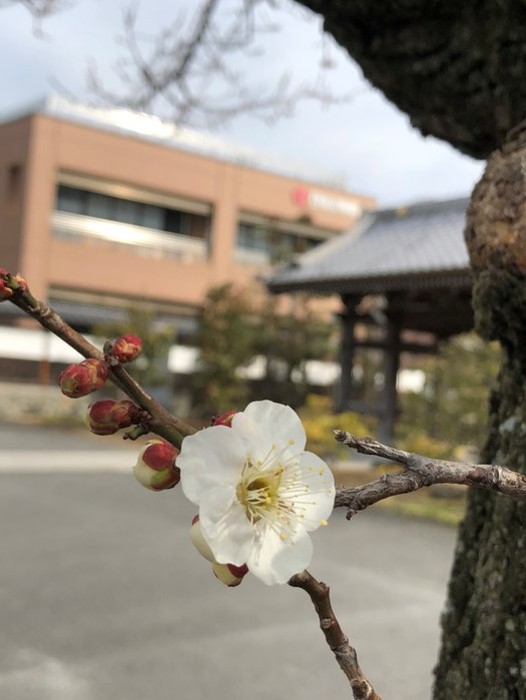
point(39, 9)
point(199, 68)
point(185, 70)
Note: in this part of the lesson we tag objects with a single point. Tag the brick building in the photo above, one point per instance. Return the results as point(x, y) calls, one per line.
point(101, 209)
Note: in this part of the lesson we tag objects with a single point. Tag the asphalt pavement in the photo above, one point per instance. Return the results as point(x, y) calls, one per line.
point(32, 449)
point(102, 596)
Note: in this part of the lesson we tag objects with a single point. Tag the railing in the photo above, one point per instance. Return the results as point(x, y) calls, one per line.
point(245, 256)
point(143, 241)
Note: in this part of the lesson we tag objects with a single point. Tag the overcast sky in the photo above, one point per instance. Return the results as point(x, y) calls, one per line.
point(366, 141)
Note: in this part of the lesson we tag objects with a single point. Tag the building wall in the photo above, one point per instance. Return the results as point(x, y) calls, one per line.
point(47, 146)
point(14, 144)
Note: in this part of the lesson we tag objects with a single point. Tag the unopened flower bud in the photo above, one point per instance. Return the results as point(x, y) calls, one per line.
point(155, 468)
point(16, 282)
point(127, 347)
point(238, 571)
point(225, 573)
point(106, 417)
point(83, 378)
point(5, 292)
point(224, 419)
point(199, 542)
point(229, 574)
point(21, 283)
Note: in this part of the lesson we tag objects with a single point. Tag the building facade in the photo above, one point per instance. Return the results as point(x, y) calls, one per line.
point(104, 209)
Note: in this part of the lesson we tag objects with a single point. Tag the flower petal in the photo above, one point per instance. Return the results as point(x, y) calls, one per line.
point(274, 561)
point(265, 424)
point(226, 527)
point(210, 458)
point(316, 504)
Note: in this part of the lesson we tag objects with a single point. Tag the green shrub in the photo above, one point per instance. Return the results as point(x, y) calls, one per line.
point(320, 424)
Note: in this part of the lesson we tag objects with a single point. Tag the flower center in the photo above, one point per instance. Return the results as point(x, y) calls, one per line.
point(258, 491)
point(273, 494)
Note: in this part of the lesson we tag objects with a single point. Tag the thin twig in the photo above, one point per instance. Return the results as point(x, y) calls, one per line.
point(175, 67)
point(420, 471)
point(162, 423)
point(345, 654)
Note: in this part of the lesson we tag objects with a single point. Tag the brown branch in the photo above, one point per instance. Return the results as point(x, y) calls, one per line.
point(345, 654)
point(162, 423)
point(420, 471)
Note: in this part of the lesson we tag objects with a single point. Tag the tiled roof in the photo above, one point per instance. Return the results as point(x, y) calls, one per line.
point(417, 246)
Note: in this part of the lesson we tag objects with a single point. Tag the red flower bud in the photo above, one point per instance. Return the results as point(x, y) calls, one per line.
point(223, 572)
point(155, 468)
point(16, 282)
point(224, 419)
point(127, 347)
point(166, 479)
point(83, 378)
point(5, 292)
point(158, 454)
point(108, 416)
point(238, 571)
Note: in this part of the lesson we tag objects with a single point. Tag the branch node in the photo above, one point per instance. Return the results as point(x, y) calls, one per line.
point(325, 623)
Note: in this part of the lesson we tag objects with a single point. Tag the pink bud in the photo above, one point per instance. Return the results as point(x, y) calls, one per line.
point(5, 292)
point(83, 378)
point(166, 479)
point(158, 454)
point(225, 575)
point(155, 468)
point(224, 419)
point(16, 282)
point(127, 347)
point(106, 417)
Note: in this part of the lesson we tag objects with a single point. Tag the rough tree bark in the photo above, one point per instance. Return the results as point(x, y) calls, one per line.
point(457, 69)
point(484, 626)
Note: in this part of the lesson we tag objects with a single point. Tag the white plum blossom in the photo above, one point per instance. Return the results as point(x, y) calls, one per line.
point(259, 493)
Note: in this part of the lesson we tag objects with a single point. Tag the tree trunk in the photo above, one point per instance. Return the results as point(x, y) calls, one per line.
point(458, 70)
point(483, 654)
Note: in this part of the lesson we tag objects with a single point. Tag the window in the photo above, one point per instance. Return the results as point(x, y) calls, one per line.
point(253, 237)
point(74, 200)
point(275, 244)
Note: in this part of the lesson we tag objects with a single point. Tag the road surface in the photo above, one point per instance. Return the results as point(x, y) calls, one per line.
point(102, 597)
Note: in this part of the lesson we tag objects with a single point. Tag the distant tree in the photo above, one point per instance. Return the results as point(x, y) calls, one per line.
point(452, 407)
point(226, 342)
point(287, 342)
point(238, 326)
